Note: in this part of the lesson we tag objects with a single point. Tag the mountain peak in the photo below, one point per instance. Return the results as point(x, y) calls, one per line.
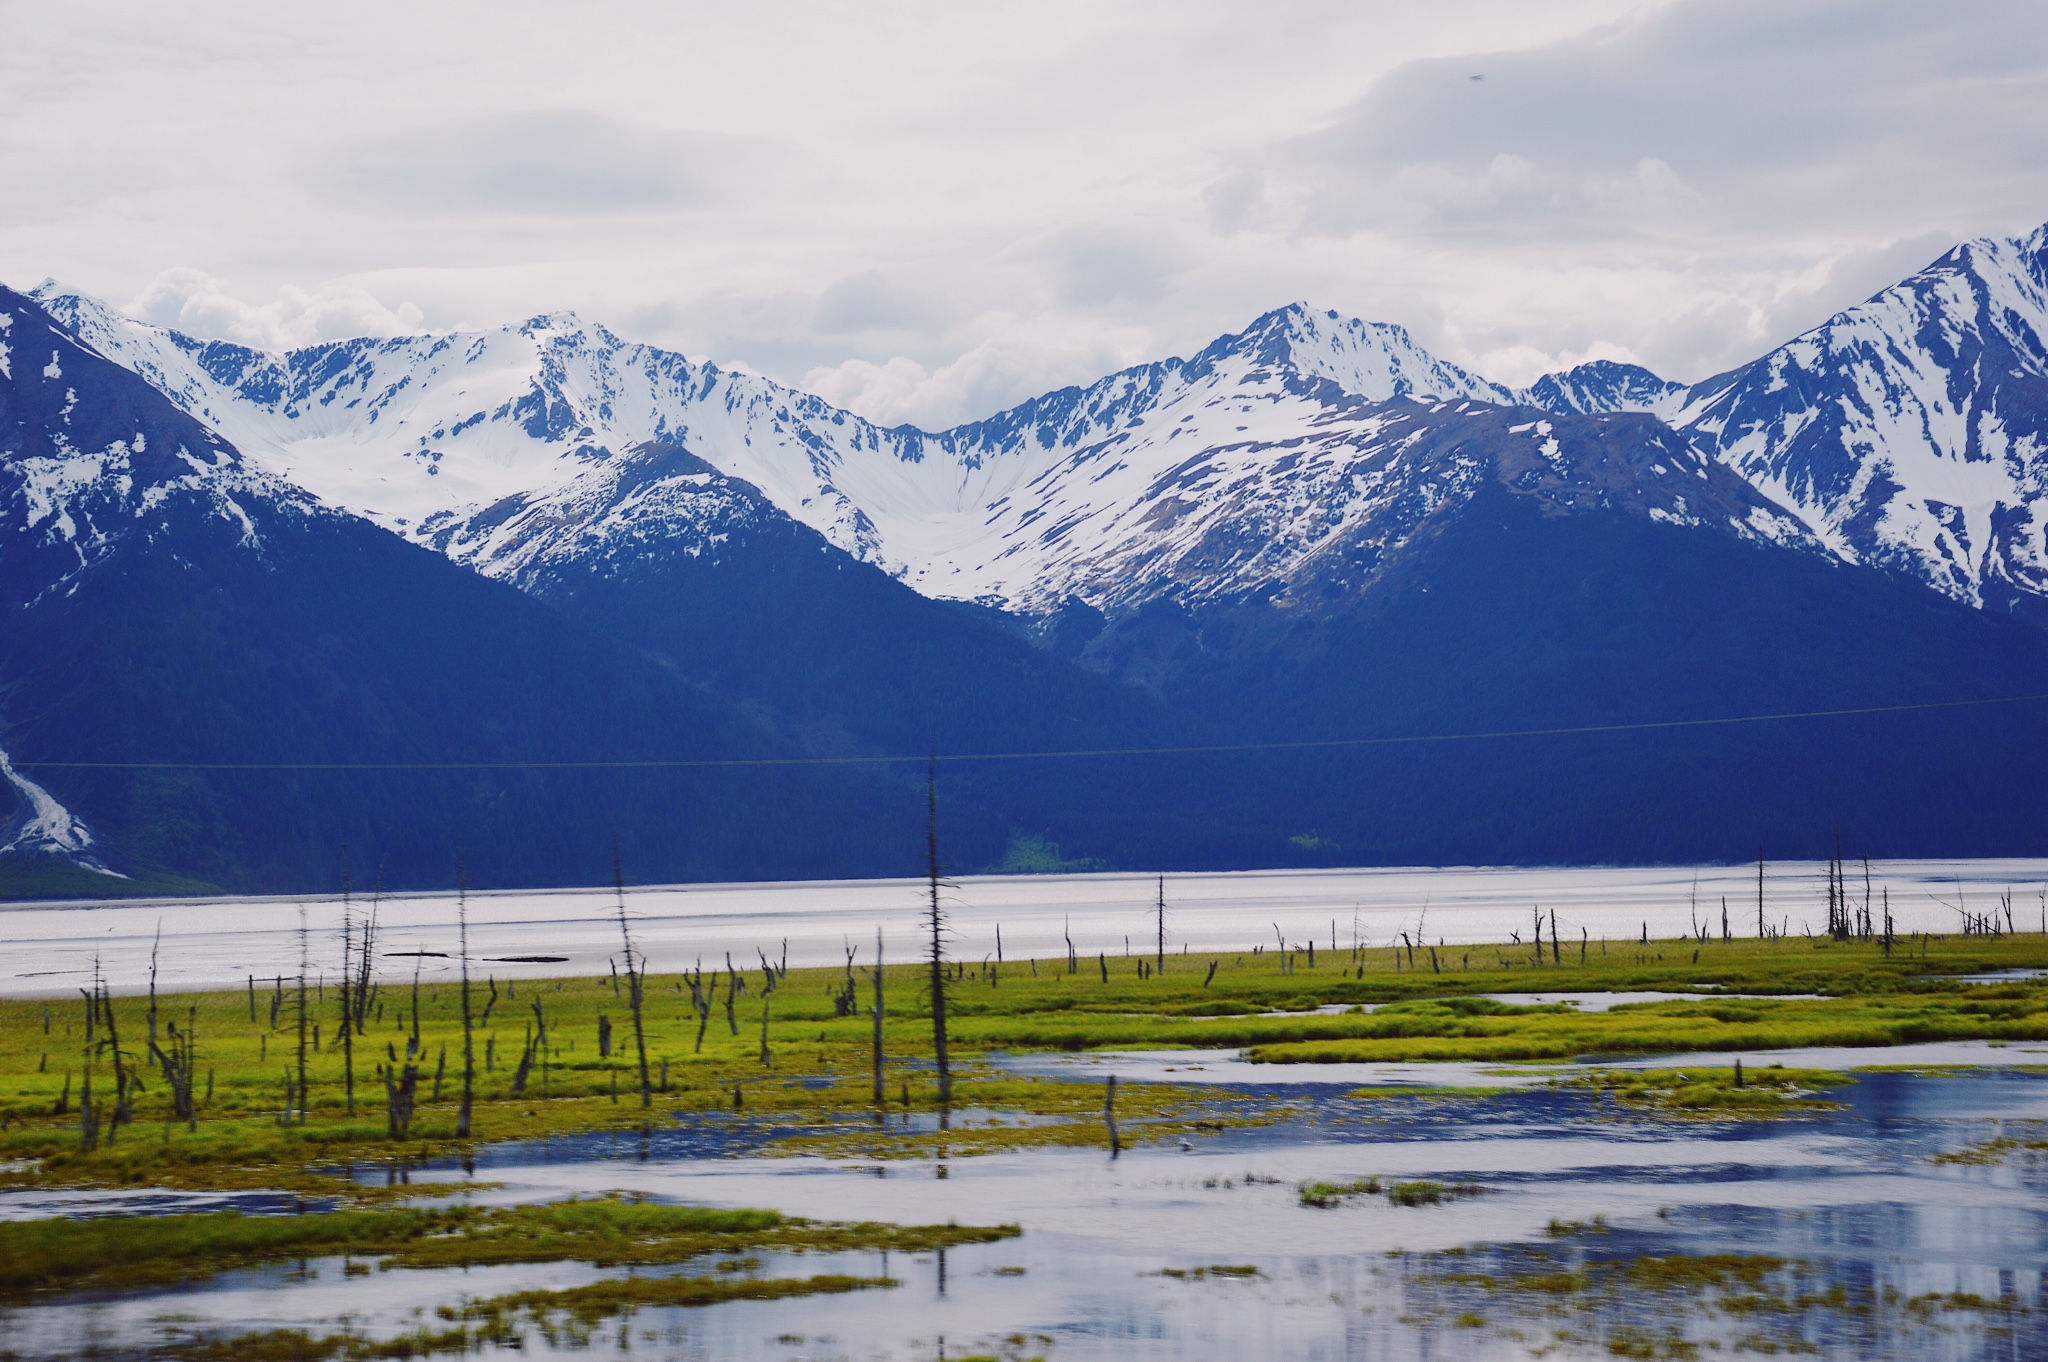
point(1376, 361)
point(560, 322)
point(1605, 385)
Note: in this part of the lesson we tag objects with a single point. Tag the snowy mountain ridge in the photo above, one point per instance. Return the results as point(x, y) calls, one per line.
point(1905, 432)
point(1911, 431)
point(468, 442)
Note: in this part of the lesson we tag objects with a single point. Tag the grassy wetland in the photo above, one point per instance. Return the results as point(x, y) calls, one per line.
point(334, 1094)
point(556, 1057)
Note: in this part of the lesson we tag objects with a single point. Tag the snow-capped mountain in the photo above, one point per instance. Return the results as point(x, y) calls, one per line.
point(84, 475)
point(1217, 475)
point(1909, 432)
point(1906, 433)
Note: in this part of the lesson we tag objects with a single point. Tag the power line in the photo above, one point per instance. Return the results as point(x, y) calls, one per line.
point(1192, 749)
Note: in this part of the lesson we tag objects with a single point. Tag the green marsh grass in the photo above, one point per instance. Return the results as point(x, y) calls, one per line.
point(818, 1076)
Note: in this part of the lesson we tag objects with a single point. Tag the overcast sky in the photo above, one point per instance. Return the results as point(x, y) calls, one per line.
point(929, 211)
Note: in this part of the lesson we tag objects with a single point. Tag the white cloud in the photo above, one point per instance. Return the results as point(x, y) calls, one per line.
point(200, 305)
point(988, 378)
point(1521, 365)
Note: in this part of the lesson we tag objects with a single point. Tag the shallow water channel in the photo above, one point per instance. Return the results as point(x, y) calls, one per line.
point(1887, 1252)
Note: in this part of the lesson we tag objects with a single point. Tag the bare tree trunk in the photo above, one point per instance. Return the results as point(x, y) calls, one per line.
point(878, 1017)
point(303, 1018)
point(365, 955)
point(1162, 927)
point(158, 941)
point(348, 992)
point(938, 967)
point(636, 975)
point(462, 1117)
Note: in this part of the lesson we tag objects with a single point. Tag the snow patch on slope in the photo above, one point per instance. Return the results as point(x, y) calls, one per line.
point(45, 827)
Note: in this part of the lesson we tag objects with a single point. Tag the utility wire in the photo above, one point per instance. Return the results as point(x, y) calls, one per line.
point(1301, 746)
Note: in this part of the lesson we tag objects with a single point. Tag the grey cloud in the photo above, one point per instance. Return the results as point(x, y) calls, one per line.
point(1099, 266)
point(872, 301)
point(1697, 115)
point(541, 161)
point(1230, 200)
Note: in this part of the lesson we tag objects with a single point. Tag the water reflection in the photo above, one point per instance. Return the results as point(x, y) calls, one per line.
point(1870, 1231)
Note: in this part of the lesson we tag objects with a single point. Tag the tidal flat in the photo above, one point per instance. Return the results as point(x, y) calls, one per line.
point(1363, 1156)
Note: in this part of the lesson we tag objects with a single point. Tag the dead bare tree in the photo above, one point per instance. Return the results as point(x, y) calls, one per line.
point(178, 1063)
point(413, 1047)
point(153, 945)
point(303, 1018)
point(1161, 944)
point(365, 956)
point(401, 1087)
point(462, 1117)
point(347, 993)
point(698, 1001)
point(938, 925)
point(877, 975)
point(535, 1048)
point(636, 976)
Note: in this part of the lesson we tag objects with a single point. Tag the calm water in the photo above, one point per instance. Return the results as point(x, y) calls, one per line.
point(51, 949)
point(1852, 1196)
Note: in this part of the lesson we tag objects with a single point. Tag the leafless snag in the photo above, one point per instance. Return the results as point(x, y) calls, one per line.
point(462, 1117)
point(938, 958)
point(347, 993)
point(636, 976)
point(876, 974)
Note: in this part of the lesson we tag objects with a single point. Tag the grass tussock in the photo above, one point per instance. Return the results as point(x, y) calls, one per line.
point(1713, 1093)
point(1237, 1271)
point(1419, 1192)
point(39, 1256)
